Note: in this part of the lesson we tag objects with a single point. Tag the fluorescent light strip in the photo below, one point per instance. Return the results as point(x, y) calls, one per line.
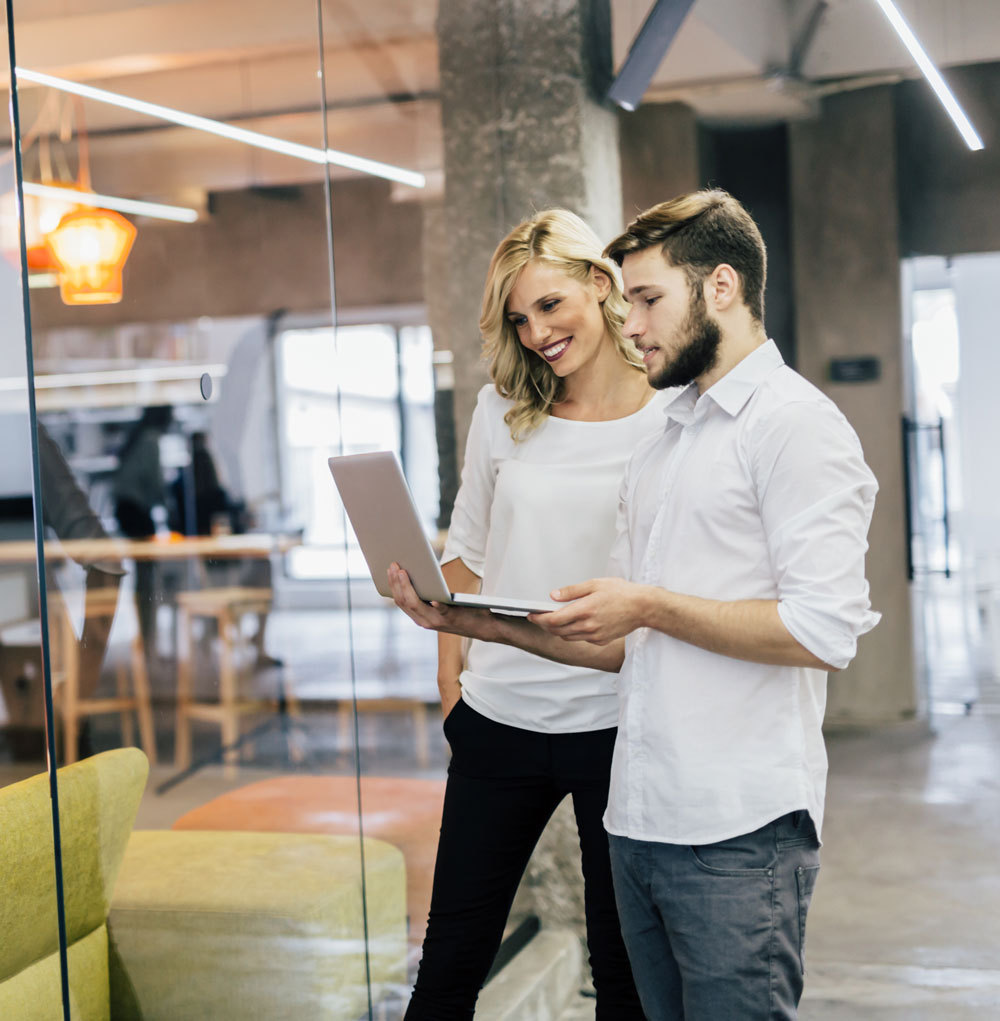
point(931, 73)
point(181, 214)
point(223, 130)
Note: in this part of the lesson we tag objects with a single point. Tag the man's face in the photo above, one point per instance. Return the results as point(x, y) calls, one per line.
point(668, 320)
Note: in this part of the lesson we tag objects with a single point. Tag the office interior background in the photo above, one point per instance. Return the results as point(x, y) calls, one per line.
point(254, 235)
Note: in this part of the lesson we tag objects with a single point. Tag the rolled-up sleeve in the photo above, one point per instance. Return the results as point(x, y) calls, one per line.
point(816, 499)
point(470, 518)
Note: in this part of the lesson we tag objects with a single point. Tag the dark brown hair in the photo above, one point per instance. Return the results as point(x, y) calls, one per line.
point(697, 232)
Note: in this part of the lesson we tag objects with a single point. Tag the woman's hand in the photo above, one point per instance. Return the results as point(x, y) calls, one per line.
point(453, 620)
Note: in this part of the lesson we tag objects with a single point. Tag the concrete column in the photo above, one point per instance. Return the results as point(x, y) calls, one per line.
point(846, 269)
point(525, 129)
point(435, 262)
point(659, 154)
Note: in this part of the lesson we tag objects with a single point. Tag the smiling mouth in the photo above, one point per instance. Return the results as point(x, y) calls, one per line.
point(555, 351)
point(647, 352)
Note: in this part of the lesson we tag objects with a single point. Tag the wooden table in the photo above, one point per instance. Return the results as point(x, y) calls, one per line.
point(252, 544)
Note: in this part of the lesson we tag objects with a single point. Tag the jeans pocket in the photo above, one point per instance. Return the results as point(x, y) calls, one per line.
point(749, 854)
point(805, 882)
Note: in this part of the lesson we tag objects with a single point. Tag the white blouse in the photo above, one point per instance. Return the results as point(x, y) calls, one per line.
point(530, 517)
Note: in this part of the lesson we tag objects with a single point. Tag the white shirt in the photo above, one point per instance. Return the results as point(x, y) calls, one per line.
point(530, 517)
point(757, 489)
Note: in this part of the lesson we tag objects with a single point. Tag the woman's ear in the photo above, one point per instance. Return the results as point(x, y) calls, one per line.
point(601, 282)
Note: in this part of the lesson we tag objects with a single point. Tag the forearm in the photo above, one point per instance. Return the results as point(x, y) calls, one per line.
point(452, 648)
point(451, 662)
point(522, 634)
point(749, 629)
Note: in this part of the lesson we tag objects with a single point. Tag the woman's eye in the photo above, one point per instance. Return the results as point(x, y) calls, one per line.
point(550, 305)
point(518, 322)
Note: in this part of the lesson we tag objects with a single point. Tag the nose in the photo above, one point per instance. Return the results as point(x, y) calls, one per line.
point(538, 331)
point(632, 327)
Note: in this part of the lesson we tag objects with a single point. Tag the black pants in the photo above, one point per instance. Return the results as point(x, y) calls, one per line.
point(504, 783)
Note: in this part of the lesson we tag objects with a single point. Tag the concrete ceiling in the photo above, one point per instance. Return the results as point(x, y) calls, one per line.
point(255, 62)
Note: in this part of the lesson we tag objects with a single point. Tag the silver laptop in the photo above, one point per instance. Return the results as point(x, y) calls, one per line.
point(385, 520)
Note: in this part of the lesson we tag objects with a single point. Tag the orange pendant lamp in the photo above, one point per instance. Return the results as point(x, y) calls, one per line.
point(41, 217)
point(90, 247)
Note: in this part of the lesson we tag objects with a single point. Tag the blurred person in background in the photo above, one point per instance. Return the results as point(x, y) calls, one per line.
point(137, 488)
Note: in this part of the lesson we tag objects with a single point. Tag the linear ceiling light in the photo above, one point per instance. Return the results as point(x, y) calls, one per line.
point(223, 130)
point(181, 214)
point(647, 51)
point(931, 73)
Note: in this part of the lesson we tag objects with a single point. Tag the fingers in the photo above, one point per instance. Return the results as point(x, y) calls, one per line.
point(409, 602)
point(554, 619)
point(568, 592)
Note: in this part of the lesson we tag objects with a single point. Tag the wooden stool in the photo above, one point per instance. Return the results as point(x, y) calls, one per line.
point(69, 703)
point(226, 606)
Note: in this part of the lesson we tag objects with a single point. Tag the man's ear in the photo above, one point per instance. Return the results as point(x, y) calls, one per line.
point(722, 288)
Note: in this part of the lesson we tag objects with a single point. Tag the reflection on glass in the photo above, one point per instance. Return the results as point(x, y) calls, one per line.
point(29, 905)
point(226, 641)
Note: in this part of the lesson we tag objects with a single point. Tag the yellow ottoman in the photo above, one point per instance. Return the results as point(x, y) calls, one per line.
point(222, 925)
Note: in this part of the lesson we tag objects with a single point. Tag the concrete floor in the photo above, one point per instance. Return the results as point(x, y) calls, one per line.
point(903, 923)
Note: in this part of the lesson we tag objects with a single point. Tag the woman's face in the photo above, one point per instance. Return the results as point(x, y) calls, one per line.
point(557, 317)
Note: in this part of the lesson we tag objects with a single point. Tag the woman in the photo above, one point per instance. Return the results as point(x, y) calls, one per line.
point(536, 509)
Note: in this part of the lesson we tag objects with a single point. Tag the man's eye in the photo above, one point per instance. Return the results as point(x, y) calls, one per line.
point(650, 302)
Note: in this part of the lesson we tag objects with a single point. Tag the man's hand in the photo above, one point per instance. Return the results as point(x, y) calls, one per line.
point(453, 620)
point(603, 610)
point(515, 631)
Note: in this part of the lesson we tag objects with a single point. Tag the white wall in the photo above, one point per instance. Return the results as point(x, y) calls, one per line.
point(976, 280)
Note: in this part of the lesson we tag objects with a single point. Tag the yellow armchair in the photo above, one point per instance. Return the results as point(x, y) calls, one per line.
point(98, 800)
point(164, 925)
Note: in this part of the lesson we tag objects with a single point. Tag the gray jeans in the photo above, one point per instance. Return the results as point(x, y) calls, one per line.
point(717, 932)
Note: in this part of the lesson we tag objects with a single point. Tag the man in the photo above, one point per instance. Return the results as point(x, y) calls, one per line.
point(740, 555)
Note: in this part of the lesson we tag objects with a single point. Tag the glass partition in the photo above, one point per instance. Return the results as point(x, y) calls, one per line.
point(191, 379)
point(30, 905)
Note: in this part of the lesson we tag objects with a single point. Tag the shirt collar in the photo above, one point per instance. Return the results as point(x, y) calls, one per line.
point(738, 385)
point(731, 392)
point(681, 407)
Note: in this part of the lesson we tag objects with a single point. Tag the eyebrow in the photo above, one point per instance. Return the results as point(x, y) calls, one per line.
point(538, 301)
point(635, 291)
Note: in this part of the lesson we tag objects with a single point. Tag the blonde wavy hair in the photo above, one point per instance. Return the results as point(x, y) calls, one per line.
point(561, 239)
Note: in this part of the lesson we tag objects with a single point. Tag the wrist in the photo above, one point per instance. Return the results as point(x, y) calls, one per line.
point(653, 607)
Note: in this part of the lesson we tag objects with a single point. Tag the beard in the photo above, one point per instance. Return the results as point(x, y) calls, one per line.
point(699, 352)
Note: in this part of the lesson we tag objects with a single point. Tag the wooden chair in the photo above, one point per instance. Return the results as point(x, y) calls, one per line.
point(70, 704)
point(226, 606)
